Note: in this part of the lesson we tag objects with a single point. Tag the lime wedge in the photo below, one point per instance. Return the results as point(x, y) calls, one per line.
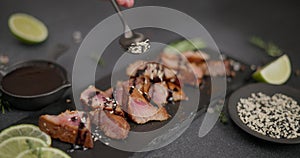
point(11, 147)
point(276, 72)
point(24, 130)
point(43, 152)
point(27, 28)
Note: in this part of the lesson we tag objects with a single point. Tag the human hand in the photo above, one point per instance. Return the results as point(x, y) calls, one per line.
point(126, 3)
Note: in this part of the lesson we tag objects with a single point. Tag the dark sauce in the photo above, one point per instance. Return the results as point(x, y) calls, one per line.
point(80, 137)
point(75, 147)
point(74, 119)
point(81, 134)
point(32, 80)
point(137, 74)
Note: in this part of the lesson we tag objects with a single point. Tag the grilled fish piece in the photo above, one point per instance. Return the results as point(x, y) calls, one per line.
point(190, 65)
point(164, 92)
point(184, 71)
point(141, 110)
point(137, 103)
point(155, 71)
point(71, 126)
point(196, 56)
point(106, 112)
point(113, 126)
point(93, 98)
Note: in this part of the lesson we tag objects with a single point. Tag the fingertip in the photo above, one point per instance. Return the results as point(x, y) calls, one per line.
point(130, 3)
point(126, 3)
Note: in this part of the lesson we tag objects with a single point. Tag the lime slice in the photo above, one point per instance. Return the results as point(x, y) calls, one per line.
point(43, 152)
point(27, 28)
point(24, 130)
point(11, 147)
point(276, 72)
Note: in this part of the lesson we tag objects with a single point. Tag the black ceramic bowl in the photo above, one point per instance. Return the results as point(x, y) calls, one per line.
point(270, 90)
point(35, 102)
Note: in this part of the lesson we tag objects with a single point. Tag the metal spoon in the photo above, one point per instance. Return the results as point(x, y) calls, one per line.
point(132, 42)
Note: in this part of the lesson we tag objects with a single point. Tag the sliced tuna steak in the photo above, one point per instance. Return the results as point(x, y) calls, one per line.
point(106, 112)
point(71, 127)
point(141, 110)
point(155, 71)
point(113, 126)
point(93, 98)
point(182, 68)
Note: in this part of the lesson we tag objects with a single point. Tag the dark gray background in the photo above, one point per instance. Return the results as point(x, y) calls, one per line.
point(230, 22)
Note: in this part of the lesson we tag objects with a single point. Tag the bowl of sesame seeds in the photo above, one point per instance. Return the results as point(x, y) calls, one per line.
point(268, 112)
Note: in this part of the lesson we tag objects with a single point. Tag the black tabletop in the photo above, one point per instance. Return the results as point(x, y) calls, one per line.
point(230, 23)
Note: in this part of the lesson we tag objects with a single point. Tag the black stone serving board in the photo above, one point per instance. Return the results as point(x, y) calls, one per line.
point(61, 105)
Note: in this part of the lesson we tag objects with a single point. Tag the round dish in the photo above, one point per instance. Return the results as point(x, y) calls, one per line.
point(35, 102)
point(266, 89)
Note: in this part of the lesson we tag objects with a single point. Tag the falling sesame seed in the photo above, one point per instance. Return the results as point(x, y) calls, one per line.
point(77, 36)
point(68, 100)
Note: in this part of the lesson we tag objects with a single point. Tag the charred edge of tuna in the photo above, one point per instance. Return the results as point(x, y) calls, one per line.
point(79, 139)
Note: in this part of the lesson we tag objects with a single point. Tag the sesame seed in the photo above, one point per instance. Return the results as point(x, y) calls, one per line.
point(275, 116)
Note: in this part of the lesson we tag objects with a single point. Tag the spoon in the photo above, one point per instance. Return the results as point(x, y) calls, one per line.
point(132, 42)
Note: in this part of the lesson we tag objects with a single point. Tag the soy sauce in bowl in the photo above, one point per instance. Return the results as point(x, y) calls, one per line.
point(32, 80)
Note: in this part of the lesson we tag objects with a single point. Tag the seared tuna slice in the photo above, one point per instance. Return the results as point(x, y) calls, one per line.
point(121, 93)
point(94, 99)
point(196, 56)
point(164, 92)
point(137, 103)
point(159, 93)
point(175, 93)
point(71, 127)
point(112, 125)
point(182, 68)
point(156, 72)
point(106, 112)
point(141, 110)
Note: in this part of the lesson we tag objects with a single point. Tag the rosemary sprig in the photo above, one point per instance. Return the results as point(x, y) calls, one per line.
point(222, 117)
point(269, 47)
point(4, 105)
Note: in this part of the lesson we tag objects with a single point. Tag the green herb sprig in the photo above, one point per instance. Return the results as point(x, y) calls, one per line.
point(4, 105)
point(269, 47)
point(222, 117)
